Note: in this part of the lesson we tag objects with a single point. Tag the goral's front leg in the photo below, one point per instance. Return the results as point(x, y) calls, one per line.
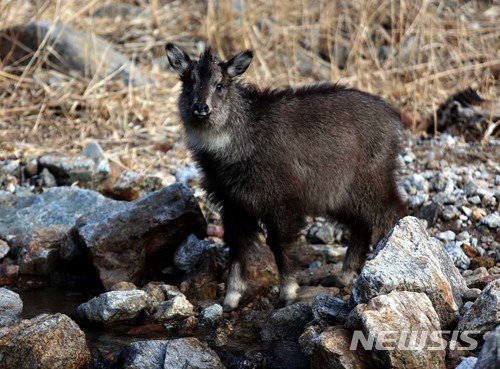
point(236, 286)
point(240, 234)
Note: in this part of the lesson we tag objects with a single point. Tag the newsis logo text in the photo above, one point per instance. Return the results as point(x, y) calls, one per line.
point(412, 340)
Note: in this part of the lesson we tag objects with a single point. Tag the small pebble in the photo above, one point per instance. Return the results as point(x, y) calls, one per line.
point(446, 236)
point(212, 313)
point(471, 294)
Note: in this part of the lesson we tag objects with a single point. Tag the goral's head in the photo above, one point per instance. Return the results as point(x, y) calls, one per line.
point(207, 85)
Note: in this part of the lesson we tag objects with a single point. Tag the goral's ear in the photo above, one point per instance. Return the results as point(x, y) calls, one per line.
point(178, 59)
point(238, 64)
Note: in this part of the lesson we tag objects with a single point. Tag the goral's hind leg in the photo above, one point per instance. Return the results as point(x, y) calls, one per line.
point(240, 234)
point(287, 271)
point(281, 239)
point(359, 245)
point(391, 211)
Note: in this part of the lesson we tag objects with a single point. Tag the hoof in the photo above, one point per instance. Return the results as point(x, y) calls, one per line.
point(347, 279)
point(288, 293)
point(231, 301)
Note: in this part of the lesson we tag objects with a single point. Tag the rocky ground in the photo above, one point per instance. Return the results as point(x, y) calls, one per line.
point(113, 258)
point(156, 270)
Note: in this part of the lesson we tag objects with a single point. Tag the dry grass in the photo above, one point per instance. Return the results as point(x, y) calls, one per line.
point(413, 53)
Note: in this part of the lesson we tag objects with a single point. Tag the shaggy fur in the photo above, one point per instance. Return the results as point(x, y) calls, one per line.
point(273, 157)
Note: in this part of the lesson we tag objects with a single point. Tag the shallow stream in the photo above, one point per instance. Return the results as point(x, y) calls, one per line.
point(56, 300)
point(51, 300)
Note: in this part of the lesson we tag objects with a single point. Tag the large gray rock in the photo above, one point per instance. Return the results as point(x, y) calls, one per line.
point(176, 308)
point(132, 243)
point(403, 313)
point(44, 342)
point(190, 353)
point(489, 357)
point(11, 307)
point(68, 49)
point(128, 241)
point(287, 323)
point(144, 355)
point(332, 350)
point(407, 259)
point(170, 354)
point(20, 216)
point(484, 314)
point(114, 306)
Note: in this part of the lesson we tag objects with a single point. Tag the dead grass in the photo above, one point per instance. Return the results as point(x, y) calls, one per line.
point(413, 53)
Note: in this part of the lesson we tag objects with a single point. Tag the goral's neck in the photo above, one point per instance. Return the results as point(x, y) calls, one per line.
point(232, 140)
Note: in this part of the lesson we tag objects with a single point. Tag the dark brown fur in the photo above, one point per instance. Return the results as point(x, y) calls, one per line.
point(322, 150)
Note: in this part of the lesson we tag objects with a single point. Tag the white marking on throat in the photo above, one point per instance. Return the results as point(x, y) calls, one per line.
point(213, 142)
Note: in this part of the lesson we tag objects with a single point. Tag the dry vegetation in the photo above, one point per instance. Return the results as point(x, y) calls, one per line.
point(413, 53)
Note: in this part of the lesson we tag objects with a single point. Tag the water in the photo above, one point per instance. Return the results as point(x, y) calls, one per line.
point(105, 339)
point(113, 339)
point(52, 300)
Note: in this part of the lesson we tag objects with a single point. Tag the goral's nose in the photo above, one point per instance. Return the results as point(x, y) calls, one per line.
point(201, 110)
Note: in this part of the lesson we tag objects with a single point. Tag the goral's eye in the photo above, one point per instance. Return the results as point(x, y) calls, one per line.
point(218, 87)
